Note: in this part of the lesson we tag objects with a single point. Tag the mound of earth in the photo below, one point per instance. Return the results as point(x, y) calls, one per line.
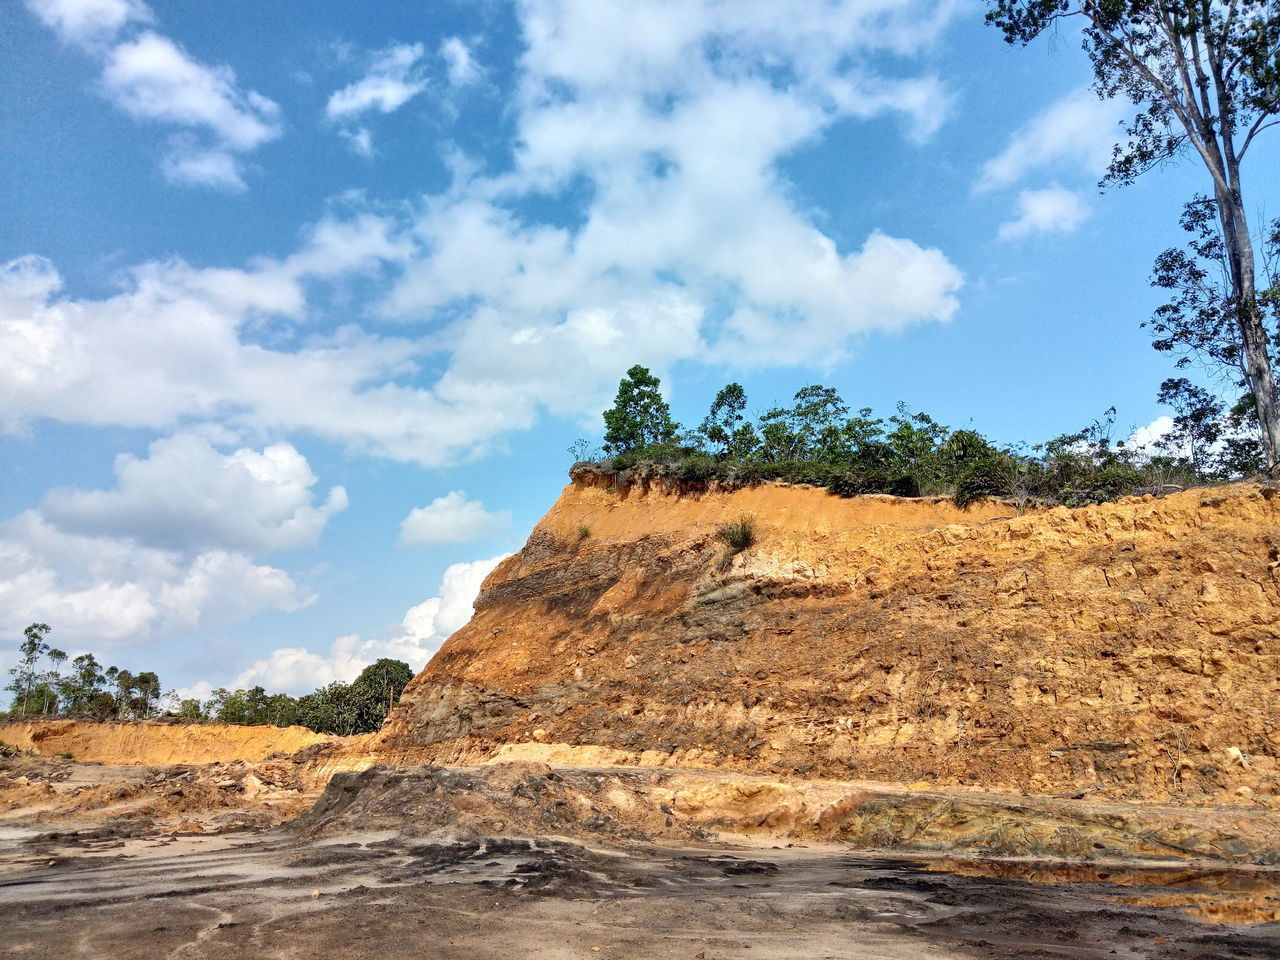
point(111, 800)
point(158, 742)
point(1126, 650)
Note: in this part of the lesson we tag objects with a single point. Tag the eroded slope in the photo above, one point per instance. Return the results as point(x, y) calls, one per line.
point(1129, 649)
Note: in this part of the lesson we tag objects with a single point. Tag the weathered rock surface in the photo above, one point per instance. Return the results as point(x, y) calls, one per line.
point(1125, 650)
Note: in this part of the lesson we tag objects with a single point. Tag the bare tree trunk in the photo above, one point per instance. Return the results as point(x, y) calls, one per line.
point(1253, 335)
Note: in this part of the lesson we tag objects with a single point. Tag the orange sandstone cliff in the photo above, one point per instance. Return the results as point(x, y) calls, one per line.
point(1130, 649)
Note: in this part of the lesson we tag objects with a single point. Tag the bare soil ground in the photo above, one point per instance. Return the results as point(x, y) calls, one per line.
point(522, 861)
point(389, 896)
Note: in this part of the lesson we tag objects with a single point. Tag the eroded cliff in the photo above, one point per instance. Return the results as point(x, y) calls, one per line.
point(1129, 649)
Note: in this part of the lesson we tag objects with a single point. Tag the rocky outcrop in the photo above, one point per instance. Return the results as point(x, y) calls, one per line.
point(1130, 649)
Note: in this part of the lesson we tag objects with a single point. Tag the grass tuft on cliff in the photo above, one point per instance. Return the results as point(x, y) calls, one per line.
point(736, 535)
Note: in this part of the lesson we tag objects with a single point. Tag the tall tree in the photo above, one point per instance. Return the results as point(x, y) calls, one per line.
point(1205, 76)
point(725, 418)
point(639, 416)
point(26, 674)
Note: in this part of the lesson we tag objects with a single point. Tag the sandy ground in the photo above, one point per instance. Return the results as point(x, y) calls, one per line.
point(522, 860)
point(274, 895)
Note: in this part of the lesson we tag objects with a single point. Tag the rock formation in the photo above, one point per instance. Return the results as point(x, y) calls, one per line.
point(1130, 649)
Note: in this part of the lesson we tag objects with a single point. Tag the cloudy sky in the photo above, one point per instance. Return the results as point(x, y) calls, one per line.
point(301, 304)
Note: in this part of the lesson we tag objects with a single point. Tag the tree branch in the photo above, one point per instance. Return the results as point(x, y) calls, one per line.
point(1257, 128)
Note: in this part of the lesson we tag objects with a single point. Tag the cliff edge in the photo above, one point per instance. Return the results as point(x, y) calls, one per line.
point(1129, 649)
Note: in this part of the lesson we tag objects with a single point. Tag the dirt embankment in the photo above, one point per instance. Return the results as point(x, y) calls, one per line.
point(1128, 650)
point(154, 744)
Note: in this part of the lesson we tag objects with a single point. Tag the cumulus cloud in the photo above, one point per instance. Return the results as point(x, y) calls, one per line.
point(424, 628)
point(661, 126)
point(671, 113)
point(1145, 438)
point(1055, 209)
point(1078, 130)
point(112, 590)
point(186, 495)
point(153, 79)
point(169, 550)
point(451, 519)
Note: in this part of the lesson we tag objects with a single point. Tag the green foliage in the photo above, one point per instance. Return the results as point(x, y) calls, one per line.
point(27, 676)
point(737, 535)
point(725, 419)
point(384, 679)
point(583, 531)
point(817, 441)
point(341, 708)
point(639, 417)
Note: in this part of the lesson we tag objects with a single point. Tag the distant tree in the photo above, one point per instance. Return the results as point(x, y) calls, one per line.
point(384, 679)
point(1197, 422)
point(146, 693)
point(336, 708)
point(191, 709)
point(43, 700)
point(810, 429)
point(1205, 75)
point(26, 674)
point(81, 690)
point(1198, 322)
point(639, 416)
point(725, 418)
point(126, 688)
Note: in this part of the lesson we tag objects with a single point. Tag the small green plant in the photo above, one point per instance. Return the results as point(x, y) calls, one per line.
point(736, 535)
point(583, 532)
point(66, 756)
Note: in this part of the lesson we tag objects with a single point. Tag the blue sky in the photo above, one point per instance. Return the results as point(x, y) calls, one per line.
point(301, 304)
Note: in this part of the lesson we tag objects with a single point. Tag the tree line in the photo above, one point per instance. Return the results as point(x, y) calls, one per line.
point(817, 439)
point(41, 689)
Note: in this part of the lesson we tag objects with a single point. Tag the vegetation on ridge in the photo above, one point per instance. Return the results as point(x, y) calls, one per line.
point(817, 440)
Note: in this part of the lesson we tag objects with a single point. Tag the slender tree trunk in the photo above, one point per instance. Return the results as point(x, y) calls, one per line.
point(1253, 335)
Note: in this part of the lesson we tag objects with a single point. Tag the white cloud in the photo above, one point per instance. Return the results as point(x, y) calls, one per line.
point(451, 519)
point(663, 124)
point(392, 81)
point(89, 22)
point(187, 163)
point(1144, 438)
point(186, 495)
point(1078, 129)
point(425, 627)
point(152, 79)
point(396, 75)
point(113, 591)
point(361, 140)
point(460, 64)
point(671, 113)
point(1055, 209)
point(201, 690)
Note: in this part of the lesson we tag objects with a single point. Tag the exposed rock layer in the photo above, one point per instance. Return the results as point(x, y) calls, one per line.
point(1130, 649)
